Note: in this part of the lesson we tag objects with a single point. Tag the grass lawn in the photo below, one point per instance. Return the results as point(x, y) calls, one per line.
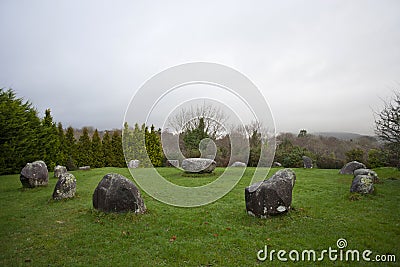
point(36, 231)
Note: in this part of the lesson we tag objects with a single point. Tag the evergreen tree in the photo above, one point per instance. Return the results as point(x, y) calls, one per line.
point(62, 154)
point(255, 148)
point(192, 139)
point(153, 147)
point(70, 149)
point(117, 152)
point(84, 149)
point(49, 141)
point(139, 146)
point(107, 150)
point(127, 142)
point(97, 151)
point(19, 132)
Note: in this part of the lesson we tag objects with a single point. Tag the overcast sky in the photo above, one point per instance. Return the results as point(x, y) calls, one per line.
point(322, 65)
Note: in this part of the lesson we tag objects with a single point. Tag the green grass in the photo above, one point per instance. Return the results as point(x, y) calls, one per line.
point(36, 231)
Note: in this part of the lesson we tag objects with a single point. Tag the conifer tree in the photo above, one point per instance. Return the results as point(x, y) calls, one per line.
point(19, 132)
point(139, 146)
point(62, 153)
point(127, 142)
point(107, 150)
point(117, 152)
point(97, 150)
point(49, 141)
point(84, 149)
point(153, 147)
point(70, 149)
point(192, 139)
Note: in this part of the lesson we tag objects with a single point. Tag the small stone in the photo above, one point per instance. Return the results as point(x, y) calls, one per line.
point(84, 168)
point(307, 162)
point(133, 164)
point(277, 164)
point(238, 164)
point(59, 171)
point(369, 172)
point(34, 174)
point(65, 187)
point(362, 184)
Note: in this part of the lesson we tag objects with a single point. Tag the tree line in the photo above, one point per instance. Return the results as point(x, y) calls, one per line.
point(24, 137)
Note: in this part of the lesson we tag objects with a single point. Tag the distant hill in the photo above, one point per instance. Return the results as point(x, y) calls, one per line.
point(342, 135)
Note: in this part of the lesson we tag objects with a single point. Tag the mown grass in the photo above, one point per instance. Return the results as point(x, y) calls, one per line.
point(36, 231)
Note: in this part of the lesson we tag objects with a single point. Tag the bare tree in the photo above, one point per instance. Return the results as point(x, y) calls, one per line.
point(387, 124)
point(188, 119)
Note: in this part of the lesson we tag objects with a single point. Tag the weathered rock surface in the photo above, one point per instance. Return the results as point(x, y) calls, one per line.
point(238, 164)
point(115, 193)
point(198, 165)
point(172, 163)
point(34, 174)
point(59, 171)
point(362, 184)
point(65, 187)
point(350, 167)
point(133, 164)
point(374, 175)
point(307, 162)
point(272, 196)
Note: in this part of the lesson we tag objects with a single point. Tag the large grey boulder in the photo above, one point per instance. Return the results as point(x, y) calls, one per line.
point(59, 171)
point(350, 167)
point(307, 162)
point(65, 187)
point(133, 164)
point(34, 174)
point(115, 193)
point(198, 165)
point(238, 164)
point(362, 184)
point(374, 175)
point(272, 196)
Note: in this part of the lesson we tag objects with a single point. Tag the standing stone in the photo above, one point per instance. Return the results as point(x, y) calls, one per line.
point(115, 193)
point(362, 184)
point(65, 187)
point(374, 175)
point(133, 164)
point(272, 196)
point(173, 163)
point(238, 164)
point(59, 171)
point(198, 165)
point(351, 166)
point(307, 162)
point(34, 174)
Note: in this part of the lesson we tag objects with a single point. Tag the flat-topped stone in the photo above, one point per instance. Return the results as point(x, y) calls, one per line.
point(198, 165)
